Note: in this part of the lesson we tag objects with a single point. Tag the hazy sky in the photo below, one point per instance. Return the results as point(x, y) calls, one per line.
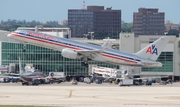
point(56, 10)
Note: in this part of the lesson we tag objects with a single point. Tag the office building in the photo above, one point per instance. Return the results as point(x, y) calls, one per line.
point(96, 21)
point(148, 21)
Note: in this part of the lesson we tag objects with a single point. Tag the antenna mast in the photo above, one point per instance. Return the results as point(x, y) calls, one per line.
point(84, 6)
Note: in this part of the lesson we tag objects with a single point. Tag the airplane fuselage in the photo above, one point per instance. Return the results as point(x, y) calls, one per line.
point(57, 43)
point(30, 76)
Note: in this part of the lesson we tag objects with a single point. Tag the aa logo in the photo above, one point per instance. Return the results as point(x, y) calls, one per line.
point(152, 50)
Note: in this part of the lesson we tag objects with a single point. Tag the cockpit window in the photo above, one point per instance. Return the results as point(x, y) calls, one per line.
point(17, 31)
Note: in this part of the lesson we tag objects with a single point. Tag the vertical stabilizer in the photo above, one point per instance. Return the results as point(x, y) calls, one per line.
point(105, 45)
point(153, 50)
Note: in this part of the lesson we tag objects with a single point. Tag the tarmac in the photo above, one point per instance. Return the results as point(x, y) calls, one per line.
point(90, 95)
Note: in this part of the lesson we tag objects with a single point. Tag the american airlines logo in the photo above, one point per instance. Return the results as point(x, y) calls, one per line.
point(152, 50)
point(41, 35)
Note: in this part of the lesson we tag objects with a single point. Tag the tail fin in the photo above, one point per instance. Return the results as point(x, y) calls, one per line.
point(105, 43)
point(20, 66)
point(153, 50)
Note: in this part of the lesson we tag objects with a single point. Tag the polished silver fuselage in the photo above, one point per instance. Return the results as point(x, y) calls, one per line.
point(57, 43)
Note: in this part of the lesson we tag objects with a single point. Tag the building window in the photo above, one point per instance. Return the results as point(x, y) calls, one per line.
point(166, 58)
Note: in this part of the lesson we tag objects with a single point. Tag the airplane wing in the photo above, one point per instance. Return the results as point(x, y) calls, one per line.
point(89, 53)
point(92, 53)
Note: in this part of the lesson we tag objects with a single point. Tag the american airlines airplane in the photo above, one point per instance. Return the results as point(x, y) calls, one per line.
point(78, 50)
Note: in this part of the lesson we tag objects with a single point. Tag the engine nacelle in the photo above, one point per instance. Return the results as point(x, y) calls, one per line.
point(68, 53)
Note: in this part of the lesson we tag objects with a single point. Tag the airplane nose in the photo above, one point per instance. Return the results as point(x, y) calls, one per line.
point(9, 35)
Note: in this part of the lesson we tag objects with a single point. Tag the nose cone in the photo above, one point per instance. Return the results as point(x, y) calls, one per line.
point(9, 35)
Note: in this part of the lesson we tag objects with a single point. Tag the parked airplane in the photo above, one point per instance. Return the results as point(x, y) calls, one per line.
point(30, 77)
point(34, 78)
point(78, 50)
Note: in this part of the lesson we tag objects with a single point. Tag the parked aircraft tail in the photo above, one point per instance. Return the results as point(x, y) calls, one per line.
point(153, 50)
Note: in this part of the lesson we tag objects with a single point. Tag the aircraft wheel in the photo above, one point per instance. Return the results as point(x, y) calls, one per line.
point(36, 82)
point(24, 48)
point(84, 64)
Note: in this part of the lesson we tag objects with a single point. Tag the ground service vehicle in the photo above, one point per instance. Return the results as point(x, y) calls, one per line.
point(56, 77)
point(126, 82)
point(110, 74)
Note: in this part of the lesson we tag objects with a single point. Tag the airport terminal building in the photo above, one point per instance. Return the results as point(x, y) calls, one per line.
point(43, 59)
point(48, 60)
point(170, 57)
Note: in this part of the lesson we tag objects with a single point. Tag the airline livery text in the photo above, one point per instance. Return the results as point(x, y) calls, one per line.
point(152, 50)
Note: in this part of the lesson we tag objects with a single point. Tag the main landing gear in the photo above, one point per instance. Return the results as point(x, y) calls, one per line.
point(84, 64)
point(24, 48)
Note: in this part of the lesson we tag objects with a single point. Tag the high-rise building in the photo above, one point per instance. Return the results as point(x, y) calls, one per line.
point(95, 19)
point(148, 21)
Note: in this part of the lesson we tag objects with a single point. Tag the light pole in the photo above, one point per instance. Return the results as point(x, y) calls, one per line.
point(86, 35)
point(37, 27)
point(91, 34)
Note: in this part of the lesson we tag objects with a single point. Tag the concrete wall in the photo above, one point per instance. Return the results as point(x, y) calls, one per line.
point(0, 53)
point(127, 42)
point(176, 57)
point(3, 35)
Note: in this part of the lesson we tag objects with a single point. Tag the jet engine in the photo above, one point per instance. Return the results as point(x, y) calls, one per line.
point(68, 53)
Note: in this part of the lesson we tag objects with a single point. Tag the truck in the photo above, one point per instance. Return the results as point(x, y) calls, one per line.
point(126, 82)
point(57, 77)
point(110, 74)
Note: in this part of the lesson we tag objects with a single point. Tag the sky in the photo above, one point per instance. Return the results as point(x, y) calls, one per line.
point(57, 10)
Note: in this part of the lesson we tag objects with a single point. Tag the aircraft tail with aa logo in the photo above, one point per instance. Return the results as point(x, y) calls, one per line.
point(153, 50)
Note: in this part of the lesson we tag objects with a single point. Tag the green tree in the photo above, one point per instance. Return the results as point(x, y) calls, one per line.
point(173, 32)
point(11, 25)
point(126, 27)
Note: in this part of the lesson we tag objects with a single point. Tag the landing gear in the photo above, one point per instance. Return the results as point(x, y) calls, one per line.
point(35, 82)
point(25, 83)
point(24, 48)
point(84, 64)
